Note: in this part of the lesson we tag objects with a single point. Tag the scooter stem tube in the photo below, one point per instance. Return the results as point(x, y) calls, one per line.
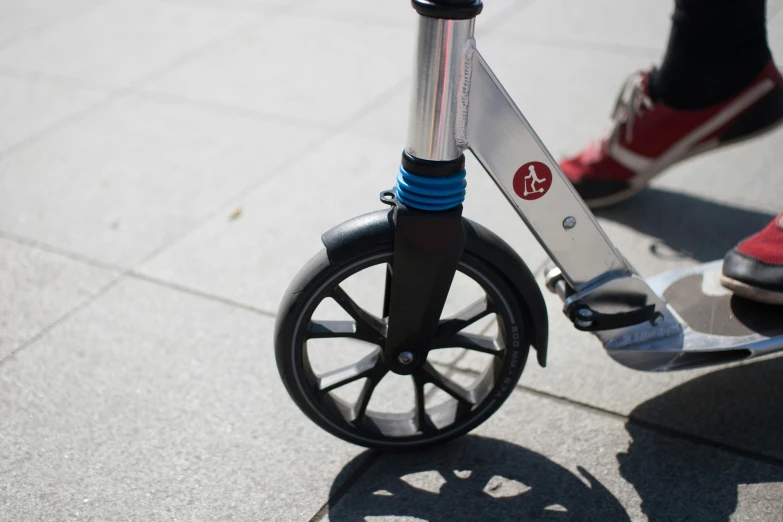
point(429, 237)
point(438, 75)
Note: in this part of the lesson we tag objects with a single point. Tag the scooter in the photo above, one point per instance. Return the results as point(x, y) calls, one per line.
point(421, 246)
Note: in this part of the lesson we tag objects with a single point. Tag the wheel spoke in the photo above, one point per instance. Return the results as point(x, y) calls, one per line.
point(462, 395)
point(367, 325)
point(423, 422)
point(365, 395)
point(366, 367)
point(387, 289)
point(448, 328)
point(327, 329)
point(477, 343)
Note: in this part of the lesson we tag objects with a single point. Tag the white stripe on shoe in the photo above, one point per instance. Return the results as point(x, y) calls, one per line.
point(646, 168)
point(628, 158)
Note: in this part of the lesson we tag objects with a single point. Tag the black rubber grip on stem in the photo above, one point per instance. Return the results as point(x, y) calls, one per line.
point(448, 9)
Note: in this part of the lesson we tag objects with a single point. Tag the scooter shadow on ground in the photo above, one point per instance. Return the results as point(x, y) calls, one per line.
point(693, 227)
point(472, 478)
point(735, 417)
point(691, 450)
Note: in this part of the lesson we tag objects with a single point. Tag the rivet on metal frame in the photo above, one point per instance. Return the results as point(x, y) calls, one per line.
point(584, 318)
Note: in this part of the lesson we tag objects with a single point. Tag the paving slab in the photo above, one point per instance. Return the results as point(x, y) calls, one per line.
point(29, 105)
point(119, 42)
point(37, 288)
point(152, 404)
point(128, 179)
point(538, 459)
point(252, 258)
point(316, 71)
point(17, 17)
point(602, 23)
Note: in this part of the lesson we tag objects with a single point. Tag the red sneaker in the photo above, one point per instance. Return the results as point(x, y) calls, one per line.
point(647, 137)
point(754, 270)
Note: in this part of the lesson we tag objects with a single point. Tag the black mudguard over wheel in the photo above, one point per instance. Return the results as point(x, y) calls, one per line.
point(330, 332)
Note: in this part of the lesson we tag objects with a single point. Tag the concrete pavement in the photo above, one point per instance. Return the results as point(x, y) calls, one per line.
point(167, 166)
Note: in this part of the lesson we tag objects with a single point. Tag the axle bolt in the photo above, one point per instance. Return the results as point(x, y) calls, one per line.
point(405, 357)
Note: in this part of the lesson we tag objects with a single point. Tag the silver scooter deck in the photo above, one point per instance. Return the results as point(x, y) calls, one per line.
point(718, 327)
point(700, 322)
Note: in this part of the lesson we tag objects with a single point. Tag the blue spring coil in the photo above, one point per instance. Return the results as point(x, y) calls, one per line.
point(426, 193)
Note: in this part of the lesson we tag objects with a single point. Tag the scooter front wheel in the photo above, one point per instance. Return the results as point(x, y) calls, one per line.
point(329, 348)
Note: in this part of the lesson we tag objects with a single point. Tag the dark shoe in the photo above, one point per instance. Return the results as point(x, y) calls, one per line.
point(754, 270)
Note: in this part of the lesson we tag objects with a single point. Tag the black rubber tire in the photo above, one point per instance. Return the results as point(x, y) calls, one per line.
point(321, 274)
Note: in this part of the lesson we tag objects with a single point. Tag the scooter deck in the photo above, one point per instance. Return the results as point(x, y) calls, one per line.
point(707, 307)
point(718, 326)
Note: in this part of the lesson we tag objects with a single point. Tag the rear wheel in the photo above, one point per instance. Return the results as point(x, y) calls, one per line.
point(329, 347)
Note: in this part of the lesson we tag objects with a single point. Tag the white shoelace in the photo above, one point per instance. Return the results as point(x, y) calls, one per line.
point(631, 101)
point(630, 104)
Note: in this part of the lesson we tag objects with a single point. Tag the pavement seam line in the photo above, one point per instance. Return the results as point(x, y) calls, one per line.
point(67, 315)
point(50, 249)
point(127, 90)
point(232, 202)
point(333, 500)
point(704, 441)
point(56, 79)
point(130, 273)
point(251, 188)
point(198, 293)
point(658, 428)
point(648, 425)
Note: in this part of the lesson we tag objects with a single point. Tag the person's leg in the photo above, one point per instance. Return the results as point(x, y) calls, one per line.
point(717, 85)
point(716, 48)
point(754, 269)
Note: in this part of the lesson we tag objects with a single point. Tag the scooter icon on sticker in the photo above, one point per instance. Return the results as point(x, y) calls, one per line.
point(532, 180)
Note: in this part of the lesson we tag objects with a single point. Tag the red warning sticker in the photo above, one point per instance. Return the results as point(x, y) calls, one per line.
point(532, 180)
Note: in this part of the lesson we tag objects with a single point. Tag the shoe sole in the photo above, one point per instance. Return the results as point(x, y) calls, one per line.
point(752, 293)
point(642, 180)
